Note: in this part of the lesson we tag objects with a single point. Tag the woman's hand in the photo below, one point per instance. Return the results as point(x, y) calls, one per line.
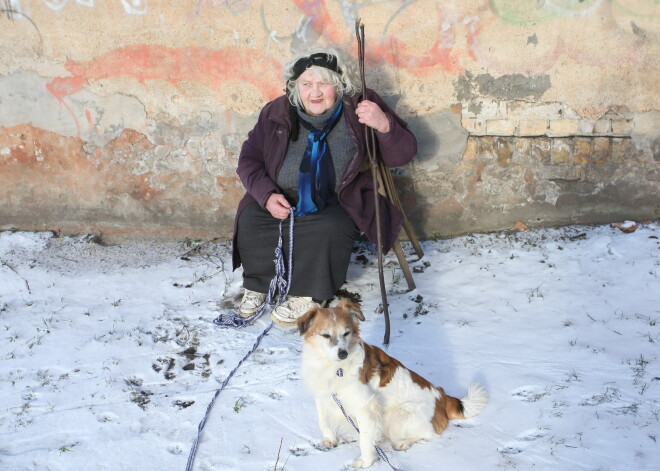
point(278, 206)
point(369, 113)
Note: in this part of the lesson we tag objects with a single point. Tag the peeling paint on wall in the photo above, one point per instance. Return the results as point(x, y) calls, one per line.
point(505, 87)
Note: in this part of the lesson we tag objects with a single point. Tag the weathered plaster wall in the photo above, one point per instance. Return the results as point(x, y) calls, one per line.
point(128, 115)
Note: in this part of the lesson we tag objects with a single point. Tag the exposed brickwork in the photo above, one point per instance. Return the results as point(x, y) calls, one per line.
point(561, 150)
point(603, 126)
point(526, 155)
point(563, 127)
point(485, 148)
point(541, 149)
point(582, 151)
point(523, 177)
point(622, 127)
point(622, 149)
point(504, 150)
point(522, 150)
point(578, 151)
point(532, 127)
point(601, 150)
point(475, 126)
point(500, 127)
point(470, 154)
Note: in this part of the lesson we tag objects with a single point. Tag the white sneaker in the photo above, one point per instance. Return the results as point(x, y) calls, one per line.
point(251, 303)
point(287, 313)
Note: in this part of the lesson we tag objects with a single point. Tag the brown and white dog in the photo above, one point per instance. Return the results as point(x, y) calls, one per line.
point(386, 400)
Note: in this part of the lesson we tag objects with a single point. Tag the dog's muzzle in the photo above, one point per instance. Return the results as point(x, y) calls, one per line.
point(342, 354)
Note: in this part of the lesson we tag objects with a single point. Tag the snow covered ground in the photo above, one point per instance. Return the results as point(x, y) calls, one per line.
point(109, 357)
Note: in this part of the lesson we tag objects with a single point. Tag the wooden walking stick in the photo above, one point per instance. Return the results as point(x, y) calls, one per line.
point(370, 139)
point(382, 176)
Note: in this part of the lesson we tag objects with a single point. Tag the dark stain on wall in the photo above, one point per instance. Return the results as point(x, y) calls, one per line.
point(505, 87)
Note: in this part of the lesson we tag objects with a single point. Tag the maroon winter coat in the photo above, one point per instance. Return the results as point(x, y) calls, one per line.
point(264, 150)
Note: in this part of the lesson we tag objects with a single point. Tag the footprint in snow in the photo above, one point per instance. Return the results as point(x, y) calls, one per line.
point(183, 404)
point(105, 417)
point(175, 448)
point(299, 451)
point(509, 450)
point(531, 435)
point(165, 364)
point(462, 425)
point(529, 393)
point(527, 436)
point(29, 396)
point(278, 351)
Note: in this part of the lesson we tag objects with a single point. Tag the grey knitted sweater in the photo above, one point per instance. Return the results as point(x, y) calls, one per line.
point(341, 146)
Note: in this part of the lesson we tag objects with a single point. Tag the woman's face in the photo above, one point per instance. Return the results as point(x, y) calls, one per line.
point(317, 96)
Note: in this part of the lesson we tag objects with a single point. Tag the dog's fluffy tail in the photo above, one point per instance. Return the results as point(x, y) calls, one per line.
point(475, 401)
point(448, 407)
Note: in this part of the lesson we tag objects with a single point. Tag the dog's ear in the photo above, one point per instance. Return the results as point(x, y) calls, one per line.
point(306, 321)
point(352, 308)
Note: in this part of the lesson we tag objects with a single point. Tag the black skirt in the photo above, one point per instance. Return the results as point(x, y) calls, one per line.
point(322, 247)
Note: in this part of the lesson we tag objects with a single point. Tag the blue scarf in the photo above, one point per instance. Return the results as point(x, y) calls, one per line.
point(316, 177)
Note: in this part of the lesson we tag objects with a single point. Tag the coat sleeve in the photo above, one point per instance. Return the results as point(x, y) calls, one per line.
point(251, 167)
point(398, 146)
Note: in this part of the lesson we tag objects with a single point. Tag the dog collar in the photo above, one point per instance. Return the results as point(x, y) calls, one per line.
point(340, 373)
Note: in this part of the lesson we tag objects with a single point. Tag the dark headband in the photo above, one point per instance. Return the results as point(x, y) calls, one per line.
point(320, 59)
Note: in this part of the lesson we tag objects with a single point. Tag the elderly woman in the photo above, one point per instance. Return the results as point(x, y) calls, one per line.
point(307, 151)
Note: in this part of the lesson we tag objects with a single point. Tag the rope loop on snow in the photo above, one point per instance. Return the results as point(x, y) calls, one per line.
point(278, 289)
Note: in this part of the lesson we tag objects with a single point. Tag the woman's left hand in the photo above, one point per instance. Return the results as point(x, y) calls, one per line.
point(369, 113)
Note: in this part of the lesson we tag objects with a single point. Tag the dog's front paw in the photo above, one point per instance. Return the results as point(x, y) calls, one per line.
point(404, 444)
point(364, 461)
point(329, 442)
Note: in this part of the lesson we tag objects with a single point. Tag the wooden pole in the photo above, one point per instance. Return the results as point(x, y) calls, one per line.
point(370, 140)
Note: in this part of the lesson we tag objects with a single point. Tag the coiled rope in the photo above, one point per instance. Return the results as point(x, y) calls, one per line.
point(278, 289)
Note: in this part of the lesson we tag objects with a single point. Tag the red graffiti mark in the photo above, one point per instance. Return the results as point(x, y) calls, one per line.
point(213, 67)
point(65, 86)
point(398, 54)
point(472, 37)
point(391, 49)
point(321, 21)
point(88, 115)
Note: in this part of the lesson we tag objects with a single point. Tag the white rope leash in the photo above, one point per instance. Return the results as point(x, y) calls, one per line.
point(279, 288)
point(279, 285)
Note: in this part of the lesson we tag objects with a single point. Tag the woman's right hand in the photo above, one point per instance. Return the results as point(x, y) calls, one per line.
point(278, 206)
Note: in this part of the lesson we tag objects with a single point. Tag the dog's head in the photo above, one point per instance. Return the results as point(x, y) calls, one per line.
point(335, 331)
